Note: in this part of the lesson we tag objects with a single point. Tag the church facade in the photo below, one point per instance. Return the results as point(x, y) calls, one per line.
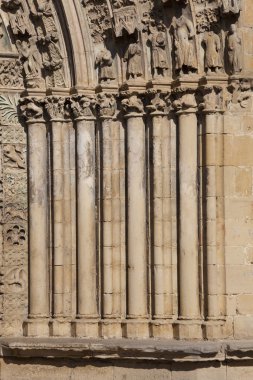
point(126, 159)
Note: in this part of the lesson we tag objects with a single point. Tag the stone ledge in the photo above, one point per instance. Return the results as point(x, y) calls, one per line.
point(125, 349)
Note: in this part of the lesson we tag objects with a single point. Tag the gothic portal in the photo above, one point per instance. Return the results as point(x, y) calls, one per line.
point(126, 157)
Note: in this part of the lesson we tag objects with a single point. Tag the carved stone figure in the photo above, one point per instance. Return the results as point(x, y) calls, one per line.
point(212, 52)
point(134, 61)
point(185, 52)
point(19, 22)
point(132, 105)
point(231, 6)
point(104, 62)
point(106, 105)
point(234, 50)
point(159, 56)
point(31, 59)
point(45, 14)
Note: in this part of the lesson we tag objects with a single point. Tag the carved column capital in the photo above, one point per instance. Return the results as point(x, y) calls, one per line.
point(240, 94)
point(159, 104)
point(32, 109)
point(185, 100)
point(211, 99)
point(55, 107)
point(106, 105)
point(83, 107)
point(132, 106)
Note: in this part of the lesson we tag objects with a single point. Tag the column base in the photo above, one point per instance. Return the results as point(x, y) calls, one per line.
point(110, 329)
point(135, 329)
point(60, 328)
point(218, 329)
point(188, 329)
point(85, 328)
point(161, 329)
point(36, 327)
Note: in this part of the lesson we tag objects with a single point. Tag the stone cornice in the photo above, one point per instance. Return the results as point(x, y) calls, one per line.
point(137, 350)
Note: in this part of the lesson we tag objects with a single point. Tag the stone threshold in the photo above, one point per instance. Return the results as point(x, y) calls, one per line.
point(126, 349)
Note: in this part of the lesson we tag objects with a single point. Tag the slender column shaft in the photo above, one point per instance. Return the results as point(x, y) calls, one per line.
point(58, 217)
point(38, 225)
point(116, 220)
point(214, 212)
point(107, 220)
point(136, 224)
point(67, 301)
point(161, 219)
point(111, 221)
point(188, 217)
point(86, 216)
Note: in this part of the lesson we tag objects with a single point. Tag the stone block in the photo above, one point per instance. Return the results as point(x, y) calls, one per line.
point(136, 329)
point(187, 371)
point(239, 279)
point(244, 304)
point(60, 328)
point(243, 181)
point(142, 372)
point(162, 330)
point(36, 328)
point(110, 329)
point(188, 330)
point(240, 371)
point(85, 329)
point(243, 327)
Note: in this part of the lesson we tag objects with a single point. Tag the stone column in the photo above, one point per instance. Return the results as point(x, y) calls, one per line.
point(55, 107)
point(161, 218)
point(37, 325)
point(69, 221)
point(111, 276)
point(189, 307)
point(213, 211)
point(87, 303)
point(136, 216)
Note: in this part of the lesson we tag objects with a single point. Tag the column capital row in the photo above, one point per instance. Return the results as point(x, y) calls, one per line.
point(183, 98)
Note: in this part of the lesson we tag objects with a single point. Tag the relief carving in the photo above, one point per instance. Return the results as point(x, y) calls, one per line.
point(14, 156)
point(133, 57)
point(19, 20)
point(11, 73)
point(231, 6)
point(37, 40)
point(31, 59)
point(83, 106)
point(158, 40)
point(126, 18)
point(15, 280)
point(212, 99)
point(132, 105)
point(104, 62)
point(55, 107)
point(16, 235)
point(8, 110)
point(234, 50)
point(32, 108)
point(159, 104)
point(107, 105)
point(185, 51)
point(213, 61)
point(185, 99)
point(240, 95)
